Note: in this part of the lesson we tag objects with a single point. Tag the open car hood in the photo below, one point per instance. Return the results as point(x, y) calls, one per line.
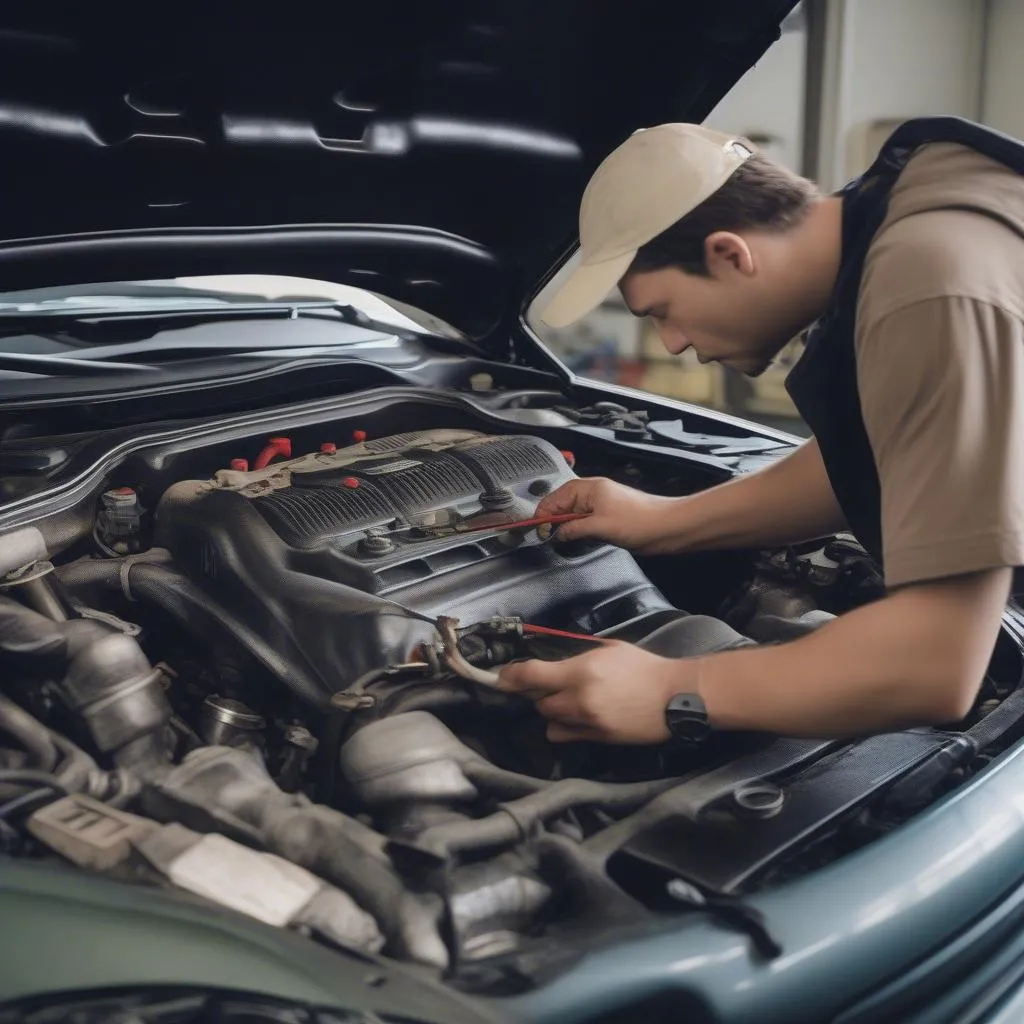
point(434, 153)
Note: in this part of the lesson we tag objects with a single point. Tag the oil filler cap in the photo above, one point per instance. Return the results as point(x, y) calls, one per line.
point(758, 800)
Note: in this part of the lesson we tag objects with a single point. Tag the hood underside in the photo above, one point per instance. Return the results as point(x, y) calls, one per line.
point(434, 153)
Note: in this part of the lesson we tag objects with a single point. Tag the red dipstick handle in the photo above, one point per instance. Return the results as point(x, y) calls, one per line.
point(522, 524)
point(548, 631)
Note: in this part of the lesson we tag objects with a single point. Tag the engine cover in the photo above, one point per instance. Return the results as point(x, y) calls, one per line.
point(324, 554)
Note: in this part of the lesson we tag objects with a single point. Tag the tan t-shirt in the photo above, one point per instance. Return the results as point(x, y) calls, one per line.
point(940, 366)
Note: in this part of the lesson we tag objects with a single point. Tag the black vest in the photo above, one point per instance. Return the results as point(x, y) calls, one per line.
point(823, 384)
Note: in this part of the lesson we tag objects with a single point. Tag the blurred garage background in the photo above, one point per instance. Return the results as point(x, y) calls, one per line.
point(822, 100)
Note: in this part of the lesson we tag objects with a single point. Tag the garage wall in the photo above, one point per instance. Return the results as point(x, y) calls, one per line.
point(768, 100)
point(886, 60)
point(894, 59)
point(1003, 98)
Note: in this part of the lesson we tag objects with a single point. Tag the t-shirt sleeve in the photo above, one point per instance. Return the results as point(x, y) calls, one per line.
point(942, 392)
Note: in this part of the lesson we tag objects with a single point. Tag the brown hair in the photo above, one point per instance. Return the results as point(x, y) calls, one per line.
point(760, 195)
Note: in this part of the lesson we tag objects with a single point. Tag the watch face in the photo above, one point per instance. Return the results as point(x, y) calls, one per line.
point(687, 718)
point(687, 702)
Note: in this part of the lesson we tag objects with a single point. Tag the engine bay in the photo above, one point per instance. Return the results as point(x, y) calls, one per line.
point(258, 667)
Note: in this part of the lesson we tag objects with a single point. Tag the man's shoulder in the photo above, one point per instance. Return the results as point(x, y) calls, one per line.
point(943, 253)
point(954, 226)
point(948, 174)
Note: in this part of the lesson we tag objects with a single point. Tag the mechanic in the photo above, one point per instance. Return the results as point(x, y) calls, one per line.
point(911, 282)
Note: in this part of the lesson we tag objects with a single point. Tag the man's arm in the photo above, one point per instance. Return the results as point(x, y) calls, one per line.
point(785, 503)
point(915, 657)
point(790, 501)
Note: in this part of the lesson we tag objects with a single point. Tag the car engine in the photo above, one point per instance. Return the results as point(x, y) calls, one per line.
point(323, 554)
point(269, 681)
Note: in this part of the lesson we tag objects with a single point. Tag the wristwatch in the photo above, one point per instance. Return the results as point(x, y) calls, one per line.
point(687, 719)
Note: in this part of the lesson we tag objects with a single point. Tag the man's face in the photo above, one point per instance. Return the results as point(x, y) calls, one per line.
point(741, 315)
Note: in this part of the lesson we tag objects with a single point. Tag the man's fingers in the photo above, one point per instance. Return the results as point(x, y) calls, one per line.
point(576, 529)
point(575, 496)
point(557, 504)
point(533, 678)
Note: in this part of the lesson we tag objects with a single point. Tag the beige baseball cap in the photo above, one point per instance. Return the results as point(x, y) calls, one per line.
point(655, 177)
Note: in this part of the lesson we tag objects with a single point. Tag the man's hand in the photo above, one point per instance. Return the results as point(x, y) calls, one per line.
point(615, 694)
point(617, 514)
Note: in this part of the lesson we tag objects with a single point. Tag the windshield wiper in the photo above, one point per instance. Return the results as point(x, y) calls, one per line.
point(65, 366)
point(102, 360)
point(73, 320)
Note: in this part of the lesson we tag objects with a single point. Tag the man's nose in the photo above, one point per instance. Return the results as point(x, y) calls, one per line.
point(675, 342)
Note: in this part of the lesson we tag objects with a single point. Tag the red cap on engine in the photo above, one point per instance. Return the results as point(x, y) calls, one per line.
point(569, 457)
point(240, 465)
point(359, 436)
point(349, 481)
point(328, 448)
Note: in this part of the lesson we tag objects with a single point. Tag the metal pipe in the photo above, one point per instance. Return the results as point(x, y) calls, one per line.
point(41, 597)
point(454, 659)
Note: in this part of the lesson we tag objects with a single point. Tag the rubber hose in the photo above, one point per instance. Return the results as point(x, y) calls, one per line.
point(78, 771)
point(175, 594)
point(72, 767)
point(105, 572)
point(502, 782)
point(518, 818)
point(27, 635)
point(500, 829)
point(31, 734)
point(30, 800)
point(16, 782)
point(30, 777)
point(426, 698)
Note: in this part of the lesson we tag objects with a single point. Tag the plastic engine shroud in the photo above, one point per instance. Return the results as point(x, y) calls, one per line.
point(321, 554)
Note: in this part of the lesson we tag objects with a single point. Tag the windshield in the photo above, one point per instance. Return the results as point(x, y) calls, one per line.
point(170, 332)
point(215, 291)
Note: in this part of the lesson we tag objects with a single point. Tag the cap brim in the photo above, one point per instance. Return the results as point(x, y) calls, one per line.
point(585, 289)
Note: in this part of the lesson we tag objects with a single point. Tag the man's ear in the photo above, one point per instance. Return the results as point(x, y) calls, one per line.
point(727, 253)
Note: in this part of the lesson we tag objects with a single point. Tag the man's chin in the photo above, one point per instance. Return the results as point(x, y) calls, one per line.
point(750, 367)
